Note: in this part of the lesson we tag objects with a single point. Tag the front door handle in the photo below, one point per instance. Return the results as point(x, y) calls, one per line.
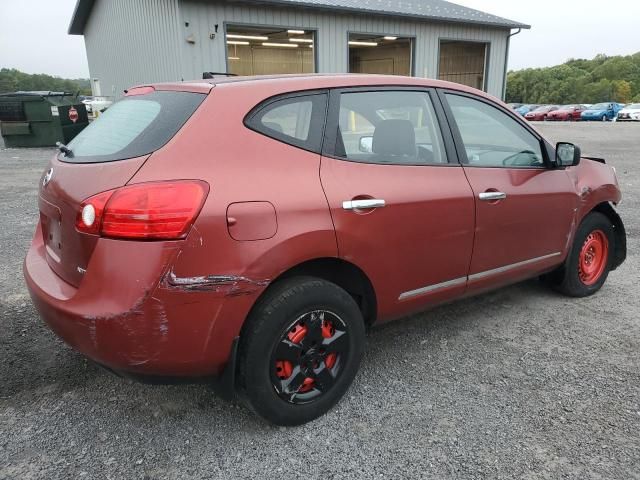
point(492, 196)
point(363, 204)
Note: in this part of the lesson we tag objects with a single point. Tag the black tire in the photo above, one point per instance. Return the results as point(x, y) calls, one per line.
point(567, 278)
point(284, 308)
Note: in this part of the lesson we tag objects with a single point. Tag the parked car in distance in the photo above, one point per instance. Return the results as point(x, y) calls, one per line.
point(97, 105)
point(566, 113)
point(540, 114)
point(605, 112)
point(524, 109)
point(514, 106)
point(258, 249)
point(630, 113)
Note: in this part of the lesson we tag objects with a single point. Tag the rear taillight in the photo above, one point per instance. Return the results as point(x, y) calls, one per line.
point(150, 211)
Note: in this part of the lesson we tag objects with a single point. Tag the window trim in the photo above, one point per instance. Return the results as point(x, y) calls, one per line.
point(545, 148)
point(333, 120)
point(317, 123)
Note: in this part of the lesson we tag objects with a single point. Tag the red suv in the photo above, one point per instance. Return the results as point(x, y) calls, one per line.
point(251, 229)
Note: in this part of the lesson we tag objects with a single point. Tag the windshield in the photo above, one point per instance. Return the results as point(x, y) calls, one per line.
point(134, 126)
point(600, 106)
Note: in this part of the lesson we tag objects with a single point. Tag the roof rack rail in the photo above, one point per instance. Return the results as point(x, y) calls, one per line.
point(208, 75)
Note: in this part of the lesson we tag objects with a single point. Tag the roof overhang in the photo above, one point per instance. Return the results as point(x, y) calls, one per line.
point(83, 9)
point(80, 17)
point(364, 8)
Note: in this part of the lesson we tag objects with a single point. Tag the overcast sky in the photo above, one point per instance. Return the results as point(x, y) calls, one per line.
point(33, 33)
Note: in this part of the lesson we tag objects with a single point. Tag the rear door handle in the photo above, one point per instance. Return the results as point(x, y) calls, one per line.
point(363, 204)
point(492, 196)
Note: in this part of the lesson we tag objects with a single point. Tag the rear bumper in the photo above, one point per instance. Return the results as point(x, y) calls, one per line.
point(128, 318)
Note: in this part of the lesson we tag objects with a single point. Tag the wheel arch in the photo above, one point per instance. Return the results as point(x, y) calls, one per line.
point(620, 248)
point(345, 274)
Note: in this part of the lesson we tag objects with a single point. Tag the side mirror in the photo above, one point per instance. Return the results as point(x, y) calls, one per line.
point(366, 144)
point(567, 154)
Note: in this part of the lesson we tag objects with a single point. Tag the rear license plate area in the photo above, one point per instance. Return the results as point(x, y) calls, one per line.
point(51, 221)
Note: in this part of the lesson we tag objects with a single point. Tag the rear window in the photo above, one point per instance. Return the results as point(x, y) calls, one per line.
point(134, 126)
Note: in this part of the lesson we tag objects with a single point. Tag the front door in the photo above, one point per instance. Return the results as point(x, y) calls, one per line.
point(524, 210)
point(402, 212)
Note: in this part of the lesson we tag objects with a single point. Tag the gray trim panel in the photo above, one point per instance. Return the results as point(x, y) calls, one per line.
point(506, 268)
point(476, 276)
point(432, 288)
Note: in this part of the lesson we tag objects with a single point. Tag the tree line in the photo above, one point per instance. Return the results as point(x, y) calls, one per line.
point(12, 80)
point(601, 79)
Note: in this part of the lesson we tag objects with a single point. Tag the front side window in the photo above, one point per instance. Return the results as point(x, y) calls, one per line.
point(491, 137)
point(294, 120)
point(389, 127)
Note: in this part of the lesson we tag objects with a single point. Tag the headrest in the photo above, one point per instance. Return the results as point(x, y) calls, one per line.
point(394, 137)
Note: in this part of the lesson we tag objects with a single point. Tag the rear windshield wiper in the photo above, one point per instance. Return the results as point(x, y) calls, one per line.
point(64, 149)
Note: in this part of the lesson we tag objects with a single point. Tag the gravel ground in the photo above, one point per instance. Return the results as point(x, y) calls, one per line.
point(518, 383)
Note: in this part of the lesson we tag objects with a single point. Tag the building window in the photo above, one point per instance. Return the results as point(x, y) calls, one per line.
point(265, 51)
point(463, 62)
point(382, 54)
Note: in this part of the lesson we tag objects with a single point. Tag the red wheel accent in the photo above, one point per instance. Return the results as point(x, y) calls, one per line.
point(306, 385)
point(327, 329)
point(330, 361)
point(593, 257)
point(297, 333)
point(283, 369)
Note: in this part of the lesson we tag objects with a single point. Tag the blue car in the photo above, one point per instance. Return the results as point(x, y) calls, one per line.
point(604, 112)
point(524, 109)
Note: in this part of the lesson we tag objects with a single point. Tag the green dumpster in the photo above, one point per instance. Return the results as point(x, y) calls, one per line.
point(40, 119)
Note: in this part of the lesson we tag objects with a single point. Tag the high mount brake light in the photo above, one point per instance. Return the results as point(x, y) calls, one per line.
point(139, 91)
point(147, 211)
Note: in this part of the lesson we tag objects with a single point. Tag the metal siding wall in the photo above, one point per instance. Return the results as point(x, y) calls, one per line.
point(145, 41)
point(129, 43)
point(332, 29)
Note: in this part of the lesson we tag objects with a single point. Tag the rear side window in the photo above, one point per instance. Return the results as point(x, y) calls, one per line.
point(389, 127)
point(134, 126)
point(296, 120)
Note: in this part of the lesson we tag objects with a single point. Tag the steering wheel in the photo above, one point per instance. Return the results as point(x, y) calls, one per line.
point(509, 160)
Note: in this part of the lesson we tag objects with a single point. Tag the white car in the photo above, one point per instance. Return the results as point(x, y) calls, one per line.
point(97, 105)
point(630, 113)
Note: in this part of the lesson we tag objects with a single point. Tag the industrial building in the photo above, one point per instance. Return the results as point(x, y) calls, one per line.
point(134, 42)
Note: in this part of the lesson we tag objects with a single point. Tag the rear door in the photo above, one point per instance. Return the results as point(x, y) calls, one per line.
point(524, 209)
point(402, 208)
point(104, 156)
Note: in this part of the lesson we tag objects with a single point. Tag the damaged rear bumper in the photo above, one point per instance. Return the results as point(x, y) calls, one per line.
point(132, 317)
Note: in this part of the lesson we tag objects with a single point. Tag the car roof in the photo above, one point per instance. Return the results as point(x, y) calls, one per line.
point(297, 82)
